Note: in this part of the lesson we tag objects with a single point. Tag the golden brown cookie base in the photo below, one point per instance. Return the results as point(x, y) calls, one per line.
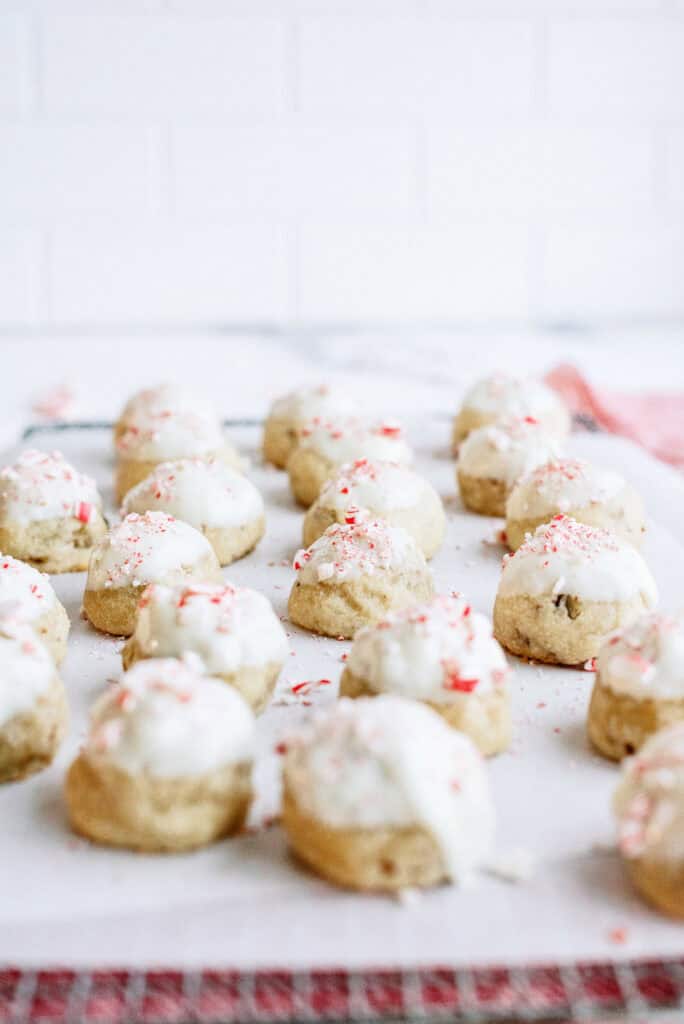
point(130, 472)
point(152, 814)
point(628, 523)
point(253, 682)
point(384, 859)
point(661, 883)
point(53, 545)
point(308, 471)
point(30, 740)
point(426, 524)
point(485, 718)
point(560, 630)
point(233, 542)
point(483, 495)
point(619, 724)
point(53, 629)
point(341, 609)
point(280, 440)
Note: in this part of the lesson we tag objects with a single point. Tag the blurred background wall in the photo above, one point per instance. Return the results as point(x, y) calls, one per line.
point(246, 162)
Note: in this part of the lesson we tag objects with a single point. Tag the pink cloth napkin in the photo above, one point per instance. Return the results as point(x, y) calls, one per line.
point(655, 421)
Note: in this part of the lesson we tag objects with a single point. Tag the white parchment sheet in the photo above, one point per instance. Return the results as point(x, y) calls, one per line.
point(244, 903)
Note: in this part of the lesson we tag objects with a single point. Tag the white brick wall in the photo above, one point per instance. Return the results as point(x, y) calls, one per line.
point(273, 161)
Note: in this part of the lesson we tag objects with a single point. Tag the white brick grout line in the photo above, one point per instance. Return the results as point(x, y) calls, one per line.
point(23, 997)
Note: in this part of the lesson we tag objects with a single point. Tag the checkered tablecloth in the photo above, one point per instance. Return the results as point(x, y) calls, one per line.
point(570, 993)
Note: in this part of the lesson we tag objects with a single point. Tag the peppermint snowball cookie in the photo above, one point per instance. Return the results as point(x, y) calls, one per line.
point(501, 395)
point(574, 488)
point(292, 411)
point(443, 654)
point(491, 459)
point(50, 514)
point(26, 595)
point(167, 762)
point(211, 496)
point(163, 424)
point(354, 575)
point(383, 490)
point(639, 685)
point(565, 589)
point(152, 548)
point(326, 445)
point(233, 632)
point(33, 707)
point(382, 794)
point(649, 807)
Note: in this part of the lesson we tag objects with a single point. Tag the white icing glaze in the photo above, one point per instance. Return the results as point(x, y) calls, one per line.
point(439, 651)
point(43, 485)
point(148, 548)
point(26, 670)
point(24, 592)
point(166, 720)
point(567, 557)
point(168, 423)
point(378, 486)
point(226, 627)
point(307, 403)
point(349, 550)
point(645, 659)
point(502, 394)
point(389, 762)
point(506, 450)
point(202, 493)
point(561, 486)
point(649, 801)
point(345, 440)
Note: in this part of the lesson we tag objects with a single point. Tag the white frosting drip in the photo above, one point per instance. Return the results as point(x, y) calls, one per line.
point(378, 486)
point(349, 550)
point(567, 557)
point(165, 720)
point(506, 450)
point(226, 627)
point(200, 493)
point(561, 486)
point(26, 670)
point(42, 485)
point(646, 659)
point(24, 592)
point(649, 801)
point(387, 762)
point(168, 423)
point(345, 440)
point(143, 549)
point(502, 395)
point(440, 651)
point(307, 403)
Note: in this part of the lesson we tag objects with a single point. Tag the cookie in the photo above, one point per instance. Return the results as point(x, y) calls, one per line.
point(27, 596)
point(326, 445)
point(161, 425)
point(354, 575)
point(382, 490)
point(166, 765)
point(382, 794)
point(501, 395)
point(33, 706)
point(232, 632)
point(565, 589)
point(493, 458)
point(639, 685)
point(209, 495)
point(292, 411)
point(573, 487)
point(443, 654)
point(649, 807)
point(152, 548)
point(50, 514)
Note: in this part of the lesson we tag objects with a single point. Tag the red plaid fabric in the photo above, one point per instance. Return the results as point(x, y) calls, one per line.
point(568, 993)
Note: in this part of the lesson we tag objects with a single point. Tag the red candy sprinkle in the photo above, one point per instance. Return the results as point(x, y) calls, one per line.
point(84, 511)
